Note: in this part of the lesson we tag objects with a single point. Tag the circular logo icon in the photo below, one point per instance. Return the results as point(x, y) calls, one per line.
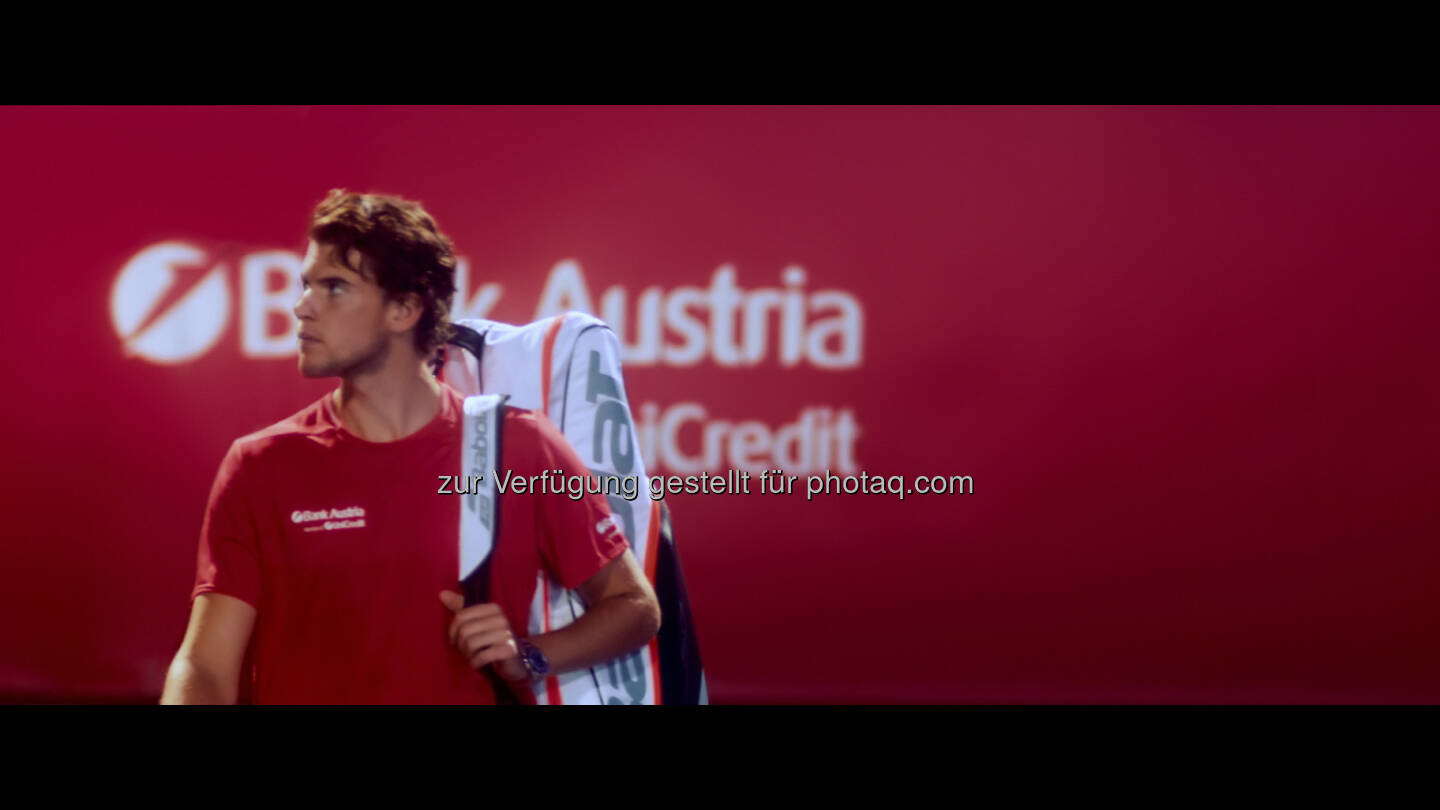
point(192, 318)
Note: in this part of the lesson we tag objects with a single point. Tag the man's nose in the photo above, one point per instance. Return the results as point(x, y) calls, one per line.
point(303, 309)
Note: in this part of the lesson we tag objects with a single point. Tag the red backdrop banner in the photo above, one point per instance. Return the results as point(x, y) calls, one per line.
point(1184, 357)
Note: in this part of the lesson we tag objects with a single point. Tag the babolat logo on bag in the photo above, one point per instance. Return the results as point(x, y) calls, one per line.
point(613, 430)
point(612, 422)
point(479, 501)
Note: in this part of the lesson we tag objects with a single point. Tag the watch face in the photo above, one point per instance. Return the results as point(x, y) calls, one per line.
point(534, 659)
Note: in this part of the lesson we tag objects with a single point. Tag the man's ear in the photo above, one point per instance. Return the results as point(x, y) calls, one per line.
point(402, 313)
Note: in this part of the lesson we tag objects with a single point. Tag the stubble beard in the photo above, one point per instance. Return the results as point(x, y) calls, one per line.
point(370, 359)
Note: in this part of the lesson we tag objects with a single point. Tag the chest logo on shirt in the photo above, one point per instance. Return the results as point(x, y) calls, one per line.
point(329, 520)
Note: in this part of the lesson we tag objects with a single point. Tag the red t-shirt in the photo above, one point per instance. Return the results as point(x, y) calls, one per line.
point(342, 546)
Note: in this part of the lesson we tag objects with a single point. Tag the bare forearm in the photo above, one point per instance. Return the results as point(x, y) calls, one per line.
point(187, 683)
point(609, 629)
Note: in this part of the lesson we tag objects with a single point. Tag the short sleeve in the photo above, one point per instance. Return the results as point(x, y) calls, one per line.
point(228, 561)
point(577, 537)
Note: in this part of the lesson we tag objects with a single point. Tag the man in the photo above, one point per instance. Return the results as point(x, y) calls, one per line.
point(326, 540)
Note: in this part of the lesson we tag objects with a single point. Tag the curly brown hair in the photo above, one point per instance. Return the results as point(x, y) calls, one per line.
point(404, 252)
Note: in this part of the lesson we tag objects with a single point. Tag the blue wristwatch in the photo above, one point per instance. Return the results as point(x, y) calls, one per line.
point(535, 661)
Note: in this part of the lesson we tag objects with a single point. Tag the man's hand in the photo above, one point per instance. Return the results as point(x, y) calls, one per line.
point(482, 634)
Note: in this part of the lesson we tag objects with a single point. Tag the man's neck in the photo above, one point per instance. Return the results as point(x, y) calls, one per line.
point(387, 404)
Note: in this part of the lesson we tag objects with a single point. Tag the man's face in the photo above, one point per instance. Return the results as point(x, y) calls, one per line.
point(342, 316)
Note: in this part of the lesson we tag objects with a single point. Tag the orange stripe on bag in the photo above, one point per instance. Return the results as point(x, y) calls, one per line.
point(545, 363)
point(652, 540)
point(552, 684)
point(652, 543)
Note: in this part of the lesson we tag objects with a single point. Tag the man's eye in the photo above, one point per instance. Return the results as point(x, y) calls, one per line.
point(335, 286)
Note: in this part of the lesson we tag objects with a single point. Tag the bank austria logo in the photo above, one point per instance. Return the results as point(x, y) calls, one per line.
point(171, 303)
point(351, 518)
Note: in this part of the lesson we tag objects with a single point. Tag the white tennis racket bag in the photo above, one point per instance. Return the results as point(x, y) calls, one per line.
point(569, 367)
